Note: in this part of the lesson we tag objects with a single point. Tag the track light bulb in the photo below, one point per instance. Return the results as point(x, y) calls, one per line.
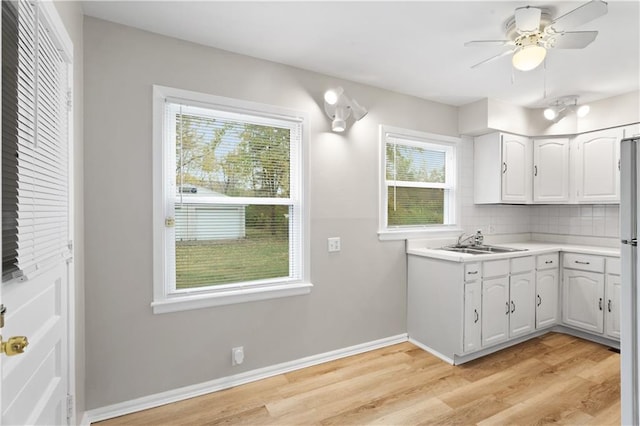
point(550, 114)
point(331, 96)
point(583, 110)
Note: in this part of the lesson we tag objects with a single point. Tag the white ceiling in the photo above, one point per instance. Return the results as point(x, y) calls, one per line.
point(409, 47)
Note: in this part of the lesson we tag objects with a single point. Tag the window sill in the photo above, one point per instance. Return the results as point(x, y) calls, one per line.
point(403, 234)
point(229, 297)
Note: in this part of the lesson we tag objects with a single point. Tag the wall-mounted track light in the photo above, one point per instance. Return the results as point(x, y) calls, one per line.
point(564, 105)
point(339, 107)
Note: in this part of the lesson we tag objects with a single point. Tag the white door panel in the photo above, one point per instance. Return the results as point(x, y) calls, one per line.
point(495, 310)
point(522, 293)
point(34, 383)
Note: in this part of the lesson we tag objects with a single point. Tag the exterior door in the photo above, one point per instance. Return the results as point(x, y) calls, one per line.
point(35, 383)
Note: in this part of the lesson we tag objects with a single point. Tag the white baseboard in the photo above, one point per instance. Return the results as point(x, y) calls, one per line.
point(432, 351)
point(187, 392)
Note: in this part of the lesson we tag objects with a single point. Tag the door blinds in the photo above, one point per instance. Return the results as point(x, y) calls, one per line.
point(35, 178)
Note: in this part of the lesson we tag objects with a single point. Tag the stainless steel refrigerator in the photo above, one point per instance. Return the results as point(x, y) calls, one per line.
point(630, 306)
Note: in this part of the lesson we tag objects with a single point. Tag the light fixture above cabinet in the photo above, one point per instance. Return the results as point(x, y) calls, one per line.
point(563, 106)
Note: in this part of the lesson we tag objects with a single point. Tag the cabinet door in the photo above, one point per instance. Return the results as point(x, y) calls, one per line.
point(546, 298)
point(583, 300)
point(597, 177)
point(522, 304)
point(516, 169)
point(472, 309)
point(612, 313)
point(495, 310)
point(551, 170)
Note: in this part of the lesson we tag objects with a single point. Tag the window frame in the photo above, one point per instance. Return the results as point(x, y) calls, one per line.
point(166, 298)
point(419, 139)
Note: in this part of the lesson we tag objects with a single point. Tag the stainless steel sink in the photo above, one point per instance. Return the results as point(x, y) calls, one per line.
point(483, 249)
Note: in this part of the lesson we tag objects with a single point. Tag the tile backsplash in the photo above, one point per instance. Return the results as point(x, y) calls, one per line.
point(579, 220)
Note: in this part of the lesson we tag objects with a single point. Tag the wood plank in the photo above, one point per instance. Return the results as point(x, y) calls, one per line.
point(554, 378)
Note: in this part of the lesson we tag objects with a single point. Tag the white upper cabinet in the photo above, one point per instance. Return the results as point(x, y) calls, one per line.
point(597, 173)
point(551, 170)
point(502, 169)
point(631, 130)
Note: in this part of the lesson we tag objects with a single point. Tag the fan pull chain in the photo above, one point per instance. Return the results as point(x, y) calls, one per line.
point(544, 78)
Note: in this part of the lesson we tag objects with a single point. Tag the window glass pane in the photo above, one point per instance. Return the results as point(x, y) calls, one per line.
point(415, 164)
point(415, 206)
point(224, 244)
point(221, 158)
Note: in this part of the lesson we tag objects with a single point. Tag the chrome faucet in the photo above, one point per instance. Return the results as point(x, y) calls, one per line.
point(478, 238)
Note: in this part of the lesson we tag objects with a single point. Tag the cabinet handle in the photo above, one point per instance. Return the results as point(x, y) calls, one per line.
point(547, 262)
point(539, 300)
point(504, 167)
point(535, 170)
point(581, 263)
point(609, 305)
point(513, 307)
point(600, 303)
point(618, 164)
point(475, 311)
point(472, 273)
point(507, 313)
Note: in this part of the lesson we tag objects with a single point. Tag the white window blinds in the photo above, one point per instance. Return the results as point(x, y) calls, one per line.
point(420, 180)
point(36, 216)
point(234, 199)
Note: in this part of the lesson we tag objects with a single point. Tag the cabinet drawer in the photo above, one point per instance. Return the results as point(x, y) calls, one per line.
point(584, 262)
point(495, 268)
point(522, 264)
point(547, 261)
point(613, 265)
point(471, 271)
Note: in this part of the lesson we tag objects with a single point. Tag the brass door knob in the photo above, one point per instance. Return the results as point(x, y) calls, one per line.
point(14, 346)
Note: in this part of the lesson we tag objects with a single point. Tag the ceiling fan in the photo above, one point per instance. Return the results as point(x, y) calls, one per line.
point(532, 31)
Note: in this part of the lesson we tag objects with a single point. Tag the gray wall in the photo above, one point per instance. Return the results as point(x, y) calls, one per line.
point(72, 18)
point(359, 293)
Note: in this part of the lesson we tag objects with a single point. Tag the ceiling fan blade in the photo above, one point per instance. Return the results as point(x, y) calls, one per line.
point(583, 14)
point(493, 58)
point(527, 19)
point(574, 40)
point(483, 43)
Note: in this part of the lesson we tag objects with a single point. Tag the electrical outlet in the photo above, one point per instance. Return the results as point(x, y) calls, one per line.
point(333, 244)
point(237, 355)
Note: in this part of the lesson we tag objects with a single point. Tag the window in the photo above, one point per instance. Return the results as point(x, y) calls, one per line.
point(418, 183)
point(229, 214)
point(36, 94)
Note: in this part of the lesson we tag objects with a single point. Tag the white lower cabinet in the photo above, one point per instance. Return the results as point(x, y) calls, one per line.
point(472, 309)
point(508, 305)
point(522, 312)
point(583, 300)
point(495, 310)
point(546, 298)
point(612, 292)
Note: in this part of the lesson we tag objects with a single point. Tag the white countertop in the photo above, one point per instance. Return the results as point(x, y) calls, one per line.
point(532, 248)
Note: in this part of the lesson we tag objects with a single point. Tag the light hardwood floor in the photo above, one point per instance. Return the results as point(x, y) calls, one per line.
point(551, 379)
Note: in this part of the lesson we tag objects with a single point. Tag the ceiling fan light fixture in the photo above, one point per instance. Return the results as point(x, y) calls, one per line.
point(529, 57)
